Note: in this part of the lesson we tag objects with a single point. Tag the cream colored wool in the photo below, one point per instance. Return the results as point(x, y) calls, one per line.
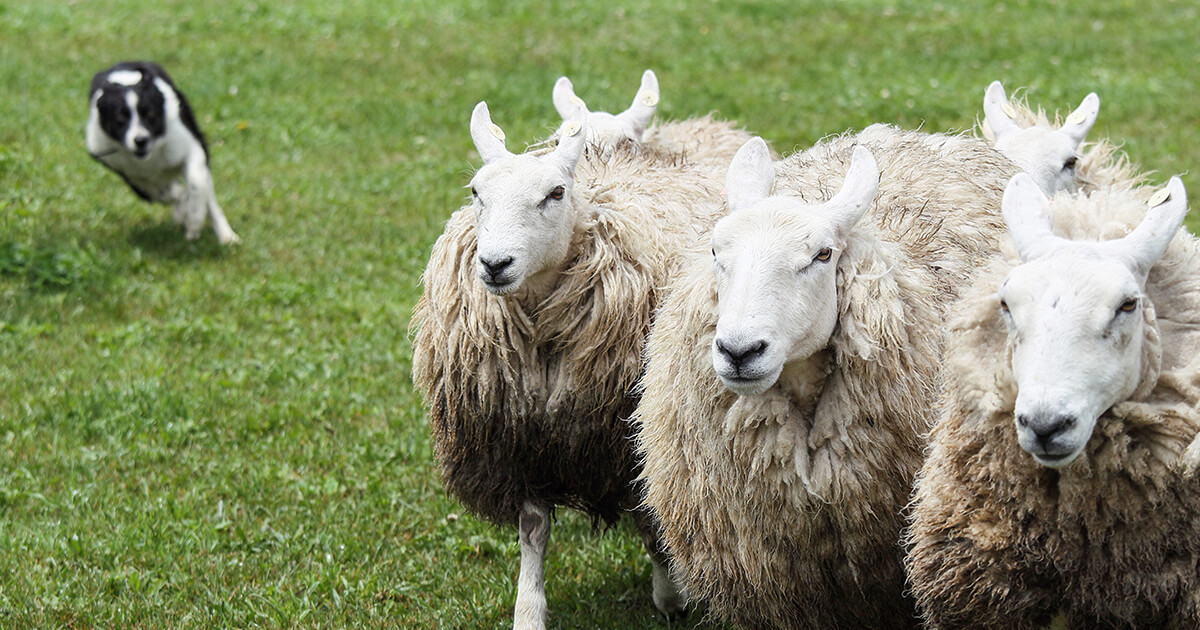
point(784, 510)
point(529, 394)
point(1101, 163)
point(708, 143)
point(1112, 539)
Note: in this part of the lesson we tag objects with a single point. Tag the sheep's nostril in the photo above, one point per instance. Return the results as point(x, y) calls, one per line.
point(739, 354)
point(1047, 429)
point(495, 267)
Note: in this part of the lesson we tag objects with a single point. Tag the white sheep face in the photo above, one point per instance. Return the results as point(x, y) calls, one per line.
point(606, 129)
point(1048, 155)
point(523, 204)
point(1074, 312)
point(775, 260)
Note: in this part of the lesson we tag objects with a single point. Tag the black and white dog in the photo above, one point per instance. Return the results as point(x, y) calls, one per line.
point(142, 127)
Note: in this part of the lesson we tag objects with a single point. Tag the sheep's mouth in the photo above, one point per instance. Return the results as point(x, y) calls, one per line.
point(499, 287)
point(747, 385)
point(1055, 459)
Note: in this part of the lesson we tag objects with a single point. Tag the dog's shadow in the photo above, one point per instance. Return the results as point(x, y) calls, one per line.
point(165, 240)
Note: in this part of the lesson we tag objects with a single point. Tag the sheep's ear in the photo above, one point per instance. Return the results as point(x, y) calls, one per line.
point(1147, 242)
point(1081, 120)
point(994, 116)
point(489, 138)
point(564, 98)
point(572, 136)
point(858, 190)
point(751, 175)
point(1027, 215)
point(645, 103)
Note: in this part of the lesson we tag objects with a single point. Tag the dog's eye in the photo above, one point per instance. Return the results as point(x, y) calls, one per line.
point(557, 193)
point(823, 255)
point(1069, 165)
point(1128, 306)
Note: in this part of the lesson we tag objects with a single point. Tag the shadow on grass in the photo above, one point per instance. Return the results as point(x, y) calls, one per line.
point(165, 240)
point(51, 265)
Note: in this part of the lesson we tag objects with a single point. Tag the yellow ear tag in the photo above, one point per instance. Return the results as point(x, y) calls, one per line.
point(498, 132)
point(1159, 198)
point(650, 99)
point(1076, 118)
point(571, 128)
point(1008, 110)
point(575, 100)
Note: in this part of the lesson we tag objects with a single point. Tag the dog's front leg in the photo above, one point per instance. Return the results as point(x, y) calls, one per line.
point(200, 202)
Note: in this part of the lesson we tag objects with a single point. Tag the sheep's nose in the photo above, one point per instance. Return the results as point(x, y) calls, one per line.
point(495, 267)
point(1047, 427)
point(739, 354)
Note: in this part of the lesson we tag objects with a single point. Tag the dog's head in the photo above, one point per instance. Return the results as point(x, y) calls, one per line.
point(131, 109)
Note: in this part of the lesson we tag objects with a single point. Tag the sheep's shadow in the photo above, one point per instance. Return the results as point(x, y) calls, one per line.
point(164, 239)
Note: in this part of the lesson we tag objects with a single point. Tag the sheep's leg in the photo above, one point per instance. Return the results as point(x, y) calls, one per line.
point(668, 594)
point(534, 528)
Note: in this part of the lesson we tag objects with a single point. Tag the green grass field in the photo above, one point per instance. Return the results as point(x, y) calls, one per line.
point(199, 437)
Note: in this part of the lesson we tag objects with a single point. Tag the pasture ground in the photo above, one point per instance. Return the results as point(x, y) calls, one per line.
point(193, 436)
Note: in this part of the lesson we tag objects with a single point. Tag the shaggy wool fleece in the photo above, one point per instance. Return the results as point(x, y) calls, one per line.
point(1101, 163)
point(529, 395)
point(784, 510)
point(708, 143)
point(1113, 539)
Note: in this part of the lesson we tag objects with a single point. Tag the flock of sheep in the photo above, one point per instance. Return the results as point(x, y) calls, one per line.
point(898, 379)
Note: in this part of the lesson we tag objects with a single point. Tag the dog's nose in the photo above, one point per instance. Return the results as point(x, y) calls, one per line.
point(738, 354)
point(495, 267)
point(140, 142)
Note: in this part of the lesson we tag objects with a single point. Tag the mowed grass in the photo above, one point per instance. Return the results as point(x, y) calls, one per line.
point(193, 436)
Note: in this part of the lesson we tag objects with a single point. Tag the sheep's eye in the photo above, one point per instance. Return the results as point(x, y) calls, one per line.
point(1129, 306)
point(474, 193)
point(556, 194)
point(1003, 305)
point(823, 255)
point(1070, 163)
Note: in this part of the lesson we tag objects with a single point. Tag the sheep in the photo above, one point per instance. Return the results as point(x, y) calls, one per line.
point(609, 129)
point(1061, 476)
point(529, 333)
point(1054, 154)
point(789, 373)
point(705, 142)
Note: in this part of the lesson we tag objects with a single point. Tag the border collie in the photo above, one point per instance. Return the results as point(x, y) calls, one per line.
point(142, 127)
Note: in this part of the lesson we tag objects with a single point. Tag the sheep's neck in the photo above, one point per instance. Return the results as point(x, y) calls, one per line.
point(536, 288)
point(539, 286)
point(802, 381)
